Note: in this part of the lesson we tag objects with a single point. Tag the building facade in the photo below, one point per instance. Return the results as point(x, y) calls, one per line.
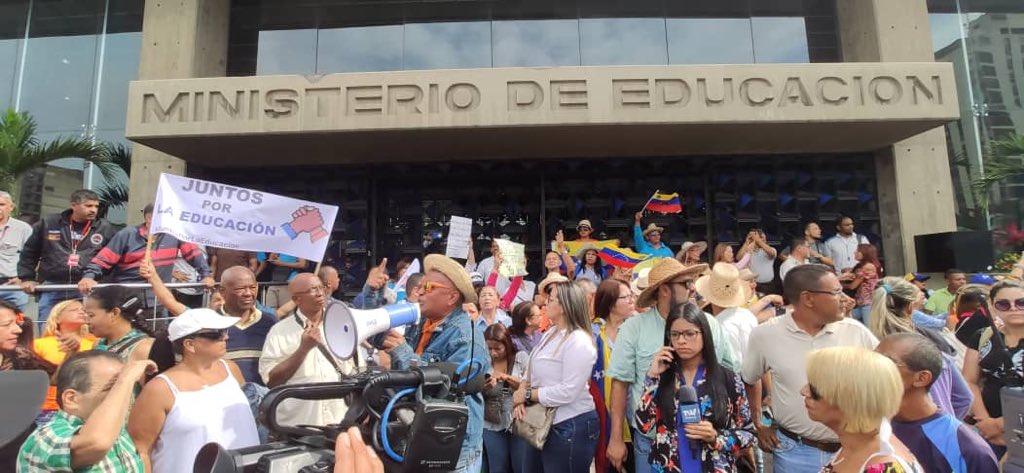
point(532, 114)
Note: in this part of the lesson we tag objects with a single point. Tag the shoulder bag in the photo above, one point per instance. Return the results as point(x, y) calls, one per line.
point(535, 425)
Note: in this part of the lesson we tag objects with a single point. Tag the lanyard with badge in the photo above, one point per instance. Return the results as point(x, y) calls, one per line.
point(73, 258)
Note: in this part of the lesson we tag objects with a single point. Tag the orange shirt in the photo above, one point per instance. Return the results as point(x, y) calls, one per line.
point(48, 348)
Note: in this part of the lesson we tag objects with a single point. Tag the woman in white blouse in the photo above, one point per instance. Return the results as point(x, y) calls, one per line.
point(560, 368)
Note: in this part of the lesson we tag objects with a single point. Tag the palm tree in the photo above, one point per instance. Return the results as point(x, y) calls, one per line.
point(1004, 161)
point(21, 151)
point(115, 193)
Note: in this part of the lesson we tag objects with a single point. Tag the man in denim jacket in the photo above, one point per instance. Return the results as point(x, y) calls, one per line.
point(446, 334)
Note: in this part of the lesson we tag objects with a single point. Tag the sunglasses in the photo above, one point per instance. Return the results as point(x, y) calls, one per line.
point(216, 335)
point(1004, 304)
point(430, 286)
point(815, 395)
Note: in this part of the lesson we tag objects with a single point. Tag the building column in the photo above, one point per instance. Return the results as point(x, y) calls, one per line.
point(915, 186)
point(180, 39)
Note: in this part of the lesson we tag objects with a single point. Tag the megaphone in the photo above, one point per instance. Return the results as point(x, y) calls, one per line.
point(345, 328)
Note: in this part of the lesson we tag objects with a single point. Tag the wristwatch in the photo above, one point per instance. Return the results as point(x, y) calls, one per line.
point(529, 394)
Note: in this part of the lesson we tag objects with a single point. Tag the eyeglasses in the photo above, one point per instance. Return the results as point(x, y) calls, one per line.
point(687, 284)
point(1004, 304)
point(814, 392)
point(835, 293)
point(688, 335)
point(216, 335)
point(430, 286)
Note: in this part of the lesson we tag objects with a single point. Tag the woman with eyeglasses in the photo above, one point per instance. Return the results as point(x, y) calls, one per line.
point(994, 360)
point(855, 392)
point(194, 403)
point(688, 359)
point(559, 369)
point(613, 304)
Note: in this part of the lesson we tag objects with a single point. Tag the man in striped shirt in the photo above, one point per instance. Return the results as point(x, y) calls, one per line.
point(119, 260)
point(94, 392)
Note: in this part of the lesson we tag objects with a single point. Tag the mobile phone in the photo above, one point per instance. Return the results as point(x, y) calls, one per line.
point(767, 419)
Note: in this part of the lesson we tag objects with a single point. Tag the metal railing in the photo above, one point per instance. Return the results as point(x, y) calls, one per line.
point(155, 306)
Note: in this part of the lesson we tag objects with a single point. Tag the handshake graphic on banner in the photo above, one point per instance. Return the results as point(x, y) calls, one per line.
point(306, 219)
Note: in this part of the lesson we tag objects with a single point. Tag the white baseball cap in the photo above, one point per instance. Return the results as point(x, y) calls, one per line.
point(194, 320)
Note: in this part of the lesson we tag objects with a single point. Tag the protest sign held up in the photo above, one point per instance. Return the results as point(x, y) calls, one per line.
point(209, 213)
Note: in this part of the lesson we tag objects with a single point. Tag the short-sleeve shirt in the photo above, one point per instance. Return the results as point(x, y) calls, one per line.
point(781, 346)
point(999, 367)
point(229, 258)
point(940, 442)
point(842, 250)
point(939, 301)
point(639, 338)
point(737, 323)
point(13, 236)
point(48, 449)
point(762, 264)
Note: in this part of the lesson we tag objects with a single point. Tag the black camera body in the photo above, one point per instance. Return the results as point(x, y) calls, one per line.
point(416, 421)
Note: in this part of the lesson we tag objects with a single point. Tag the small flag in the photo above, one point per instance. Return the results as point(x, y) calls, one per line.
point(664, 203)
point(620, 257)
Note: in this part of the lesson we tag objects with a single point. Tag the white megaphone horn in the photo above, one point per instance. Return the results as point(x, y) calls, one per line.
point(345, 328)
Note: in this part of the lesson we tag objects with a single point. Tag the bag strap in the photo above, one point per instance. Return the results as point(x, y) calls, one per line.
point(543, 343)
point(323, 349)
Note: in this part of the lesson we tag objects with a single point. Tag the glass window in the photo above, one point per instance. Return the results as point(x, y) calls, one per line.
point(448, 45)
point(286, 52)
point(536, 43)
point(709, 41)
point(779, 39)
point(359, 49)
point(120, 66)
point(58, 85)
point(623, 41)
point(9, 50)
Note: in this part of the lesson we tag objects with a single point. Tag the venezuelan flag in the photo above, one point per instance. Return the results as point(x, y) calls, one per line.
point(665, 203)
point(620, 257)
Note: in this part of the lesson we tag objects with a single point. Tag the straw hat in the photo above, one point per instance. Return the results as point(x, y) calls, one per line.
point(747, 275)
point(665, 271)
point(651, 227)
point(640, 281)
point(703, 245)
point(551, 278)
point(454, 272)
point(724, 287)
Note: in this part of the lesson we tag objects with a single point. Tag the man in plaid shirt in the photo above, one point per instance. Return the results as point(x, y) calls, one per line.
point(94, 391)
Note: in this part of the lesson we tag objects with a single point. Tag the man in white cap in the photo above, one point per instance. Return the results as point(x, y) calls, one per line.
point(727, 292)
point(640, 337)
point(648, 240)
point(446, 334)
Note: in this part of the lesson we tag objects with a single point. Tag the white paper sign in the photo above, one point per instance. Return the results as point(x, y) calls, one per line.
point(223, 216)
point(513, 258)
point(460, 231)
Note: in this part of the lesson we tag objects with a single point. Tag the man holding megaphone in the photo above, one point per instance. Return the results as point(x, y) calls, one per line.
point(446, 334)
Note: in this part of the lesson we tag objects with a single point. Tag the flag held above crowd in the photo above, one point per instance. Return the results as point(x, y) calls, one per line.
point(664, 203)
point(620, 257)
point(225, 216)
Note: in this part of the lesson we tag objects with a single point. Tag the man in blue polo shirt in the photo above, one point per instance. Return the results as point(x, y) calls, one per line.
point(939, 441)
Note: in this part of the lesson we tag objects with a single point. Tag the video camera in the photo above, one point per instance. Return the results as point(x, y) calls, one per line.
point(416, 420)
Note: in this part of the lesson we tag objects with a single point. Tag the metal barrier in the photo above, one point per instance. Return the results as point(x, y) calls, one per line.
point(157, 309)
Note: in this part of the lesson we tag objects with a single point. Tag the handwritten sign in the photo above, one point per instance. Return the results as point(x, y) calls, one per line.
point(513, 258)
point(460, 231)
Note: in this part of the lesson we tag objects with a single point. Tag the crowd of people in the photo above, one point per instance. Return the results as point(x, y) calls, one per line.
point(806, 358)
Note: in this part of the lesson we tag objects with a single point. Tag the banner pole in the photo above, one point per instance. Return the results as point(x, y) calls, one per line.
point(656, 191)
point(149, 248)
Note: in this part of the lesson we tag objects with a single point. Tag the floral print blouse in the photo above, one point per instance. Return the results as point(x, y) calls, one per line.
point(719, 457)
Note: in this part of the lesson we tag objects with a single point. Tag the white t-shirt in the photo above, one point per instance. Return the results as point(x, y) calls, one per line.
point(787, 265)
point(737, 323)
point(841, 249)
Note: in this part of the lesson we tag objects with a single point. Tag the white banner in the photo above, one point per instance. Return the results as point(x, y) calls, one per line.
point(223, 216)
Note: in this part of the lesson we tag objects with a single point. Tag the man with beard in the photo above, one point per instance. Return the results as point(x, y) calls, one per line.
point(812, 235)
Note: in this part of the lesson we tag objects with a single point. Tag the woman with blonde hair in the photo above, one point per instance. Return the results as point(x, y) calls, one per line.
point(66, 332)
point(855, 392)
point(892, 311)
point(724, 254)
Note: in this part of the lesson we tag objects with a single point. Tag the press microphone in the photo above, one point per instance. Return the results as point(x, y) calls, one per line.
point(688, 412)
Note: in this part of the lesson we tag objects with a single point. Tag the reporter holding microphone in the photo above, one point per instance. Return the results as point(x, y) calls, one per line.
point(697, 408)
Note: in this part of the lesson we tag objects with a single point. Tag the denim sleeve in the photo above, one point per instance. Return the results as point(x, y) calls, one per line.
point(369, 298)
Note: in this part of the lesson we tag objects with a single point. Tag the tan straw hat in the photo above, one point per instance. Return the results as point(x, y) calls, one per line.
point(747, 275)
point(665, 271)
point(703, 245)
point(583, 251)
point(551, 278)
point(653, 228)
point(454, 271)
point(724, 287)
